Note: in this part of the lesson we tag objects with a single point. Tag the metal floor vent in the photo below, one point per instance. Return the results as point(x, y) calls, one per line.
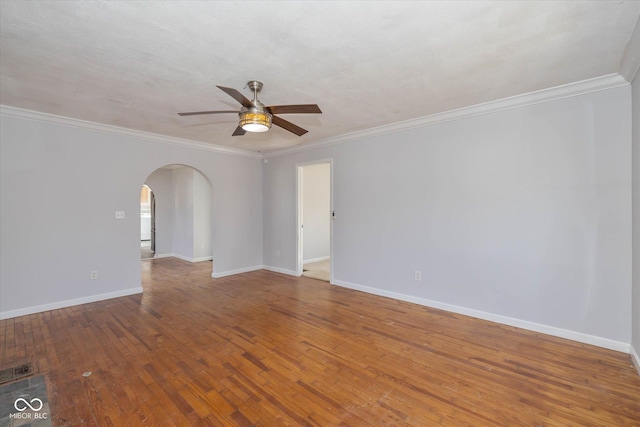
point(20, 371)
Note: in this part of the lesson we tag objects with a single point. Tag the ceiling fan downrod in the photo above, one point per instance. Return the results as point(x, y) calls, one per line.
point(255, 87)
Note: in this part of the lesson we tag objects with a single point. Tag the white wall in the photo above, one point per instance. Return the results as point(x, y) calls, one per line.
point(183, 212)
point(316, 201)
point(161, 183)
point(201, 217)
point(60, 186)
point(521, 215)
point(635, 341)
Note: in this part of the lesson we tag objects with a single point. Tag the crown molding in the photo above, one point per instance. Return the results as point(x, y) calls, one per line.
point(36, 116)
point(631, 58)
point(545, 95)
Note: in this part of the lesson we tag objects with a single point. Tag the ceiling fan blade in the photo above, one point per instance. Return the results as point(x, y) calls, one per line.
point(288, 126)
point(237, 96)
point(295, 109)
point(195, 113)
point(238, 132)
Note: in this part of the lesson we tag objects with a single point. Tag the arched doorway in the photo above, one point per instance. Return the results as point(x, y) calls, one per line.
point(182, 202)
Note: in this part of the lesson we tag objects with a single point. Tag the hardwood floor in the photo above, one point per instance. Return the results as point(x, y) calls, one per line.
point(267, 349)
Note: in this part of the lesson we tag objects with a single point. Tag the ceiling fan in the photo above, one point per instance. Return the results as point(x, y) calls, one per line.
point(256, 117)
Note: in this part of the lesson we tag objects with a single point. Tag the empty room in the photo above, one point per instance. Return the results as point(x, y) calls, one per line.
point(312, 213)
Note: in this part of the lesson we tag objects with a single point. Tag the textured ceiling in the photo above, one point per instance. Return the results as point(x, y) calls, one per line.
point(136, 64)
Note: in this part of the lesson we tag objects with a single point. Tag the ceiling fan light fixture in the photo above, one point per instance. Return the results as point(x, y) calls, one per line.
point(255, 121)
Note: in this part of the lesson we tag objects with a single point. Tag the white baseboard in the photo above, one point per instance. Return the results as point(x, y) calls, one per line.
point(635, 358)
point(203, 258)
point(280, 270)
point(238, 271)
point(322, 258)
point(181, 257)
point(184, 258)
point(68, 303)
point(524, 324)
point(162, 256)
point(254, 268)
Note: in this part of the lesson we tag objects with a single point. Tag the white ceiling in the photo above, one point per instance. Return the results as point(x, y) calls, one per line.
point(136, 64)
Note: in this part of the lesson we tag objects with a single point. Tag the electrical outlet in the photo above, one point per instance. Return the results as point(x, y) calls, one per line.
point(94, 275)
point(417, 276)
point(119, 214)
point(277, 254)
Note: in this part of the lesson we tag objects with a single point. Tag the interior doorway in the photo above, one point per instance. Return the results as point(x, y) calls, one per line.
point(315, 220)
point(147, 223)
point(176, 216)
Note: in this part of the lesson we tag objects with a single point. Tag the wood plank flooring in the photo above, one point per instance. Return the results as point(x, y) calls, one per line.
point(267, 349)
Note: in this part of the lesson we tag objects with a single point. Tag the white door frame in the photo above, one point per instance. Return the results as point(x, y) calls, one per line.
point(299, 236)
